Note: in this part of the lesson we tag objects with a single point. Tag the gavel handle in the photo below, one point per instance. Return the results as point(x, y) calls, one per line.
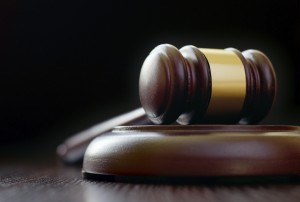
point(72, 149)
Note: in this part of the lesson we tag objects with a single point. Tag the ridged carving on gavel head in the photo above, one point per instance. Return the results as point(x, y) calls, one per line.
point(195, 85)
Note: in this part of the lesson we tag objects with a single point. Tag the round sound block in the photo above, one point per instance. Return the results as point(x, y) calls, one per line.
point(195, 150)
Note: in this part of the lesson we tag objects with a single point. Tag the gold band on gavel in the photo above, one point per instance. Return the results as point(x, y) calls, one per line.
point(228, 84)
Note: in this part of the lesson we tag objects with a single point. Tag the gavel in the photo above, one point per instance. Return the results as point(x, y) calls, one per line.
point(197, 85)
point(192, 86)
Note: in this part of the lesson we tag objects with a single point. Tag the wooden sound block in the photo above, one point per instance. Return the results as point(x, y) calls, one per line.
point(195, 151)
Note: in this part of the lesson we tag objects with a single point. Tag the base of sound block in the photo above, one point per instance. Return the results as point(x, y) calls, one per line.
point(195, 151)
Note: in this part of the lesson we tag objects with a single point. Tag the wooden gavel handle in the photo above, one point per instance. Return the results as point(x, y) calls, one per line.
point(73, 148)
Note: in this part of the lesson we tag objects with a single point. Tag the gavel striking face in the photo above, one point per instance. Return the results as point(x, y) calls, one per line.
point(195, 85)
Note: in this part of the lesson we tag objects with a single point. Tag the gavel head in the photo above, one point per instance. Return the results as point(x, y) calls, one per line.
point(196, 85)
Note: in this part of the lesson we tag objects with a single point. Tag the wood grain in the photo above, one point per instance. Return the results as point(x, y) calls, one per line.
point(32, 183)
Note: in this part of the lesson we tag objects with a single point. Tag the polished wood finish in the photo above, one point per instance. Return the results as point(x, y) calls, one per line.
point(177, 84)
point(261, 88)
point(196, 151)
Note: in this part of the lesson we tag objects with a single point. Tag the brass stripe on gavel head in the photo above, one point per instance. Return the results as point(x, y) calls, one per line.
point(198, 85)
point(228, 85)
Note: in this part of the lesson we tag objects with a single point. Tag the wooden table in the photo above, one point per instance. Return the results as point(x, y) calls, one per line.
point(55, 182)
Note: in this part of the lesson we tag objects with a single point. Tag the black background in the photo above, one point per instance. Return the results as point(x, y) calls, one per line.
point(66, 65)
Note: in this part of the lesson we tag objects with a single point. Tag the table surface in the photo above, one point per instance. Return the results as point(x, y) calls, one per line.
point(31, 172)
point(57, 182)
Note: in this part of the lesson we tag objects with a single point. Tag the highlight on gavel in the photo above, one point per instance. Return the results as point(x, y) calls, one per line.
point(192, 86)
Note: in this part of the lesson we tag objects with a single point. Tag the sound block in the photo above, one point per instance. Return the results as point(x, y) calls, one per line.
point(195, 151)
